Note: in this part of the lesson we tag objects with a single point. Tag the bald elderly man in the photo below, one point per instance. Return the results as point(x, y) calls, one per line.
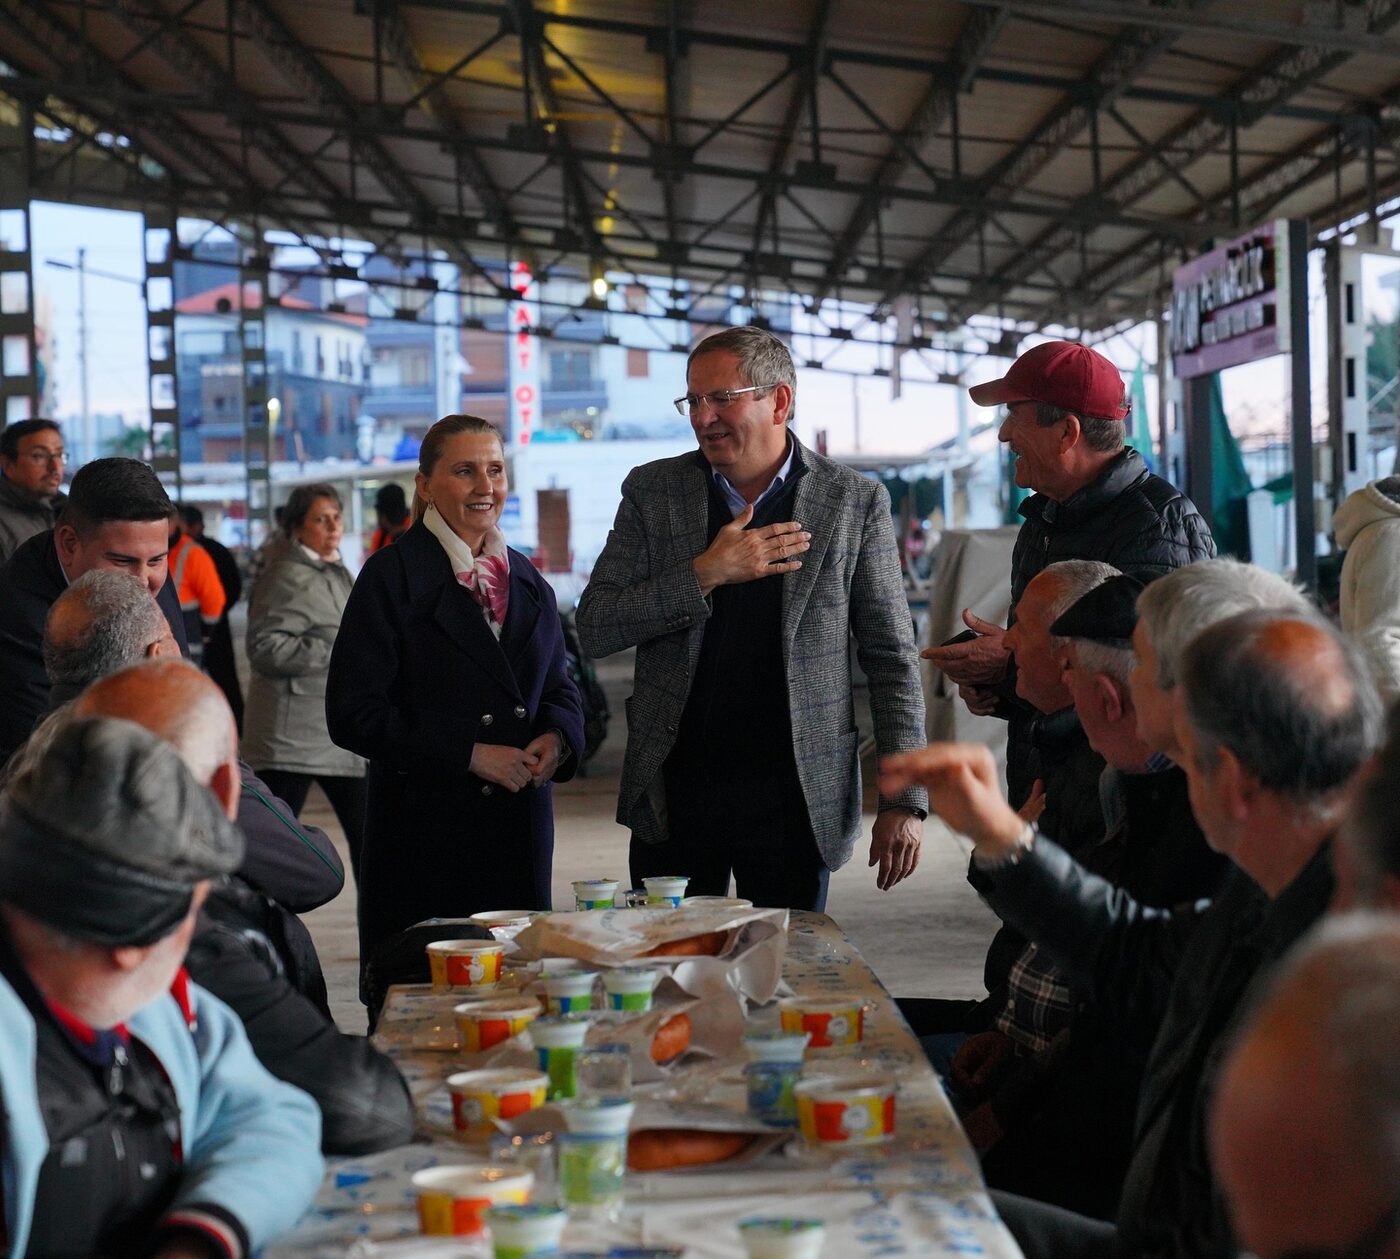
point(1305, 1129)
point(136, 1120)
point(247, 950)
point(1277, 716)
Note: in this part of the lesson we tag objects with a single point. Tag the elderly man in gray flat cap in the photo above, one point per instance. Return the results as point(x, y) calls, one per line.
point(136, 1119)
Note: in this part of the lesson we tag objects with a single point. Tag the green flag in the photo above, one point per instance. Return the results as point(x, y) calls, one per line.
point(1015, 495)
point(1230, 484)
point(1139, 434)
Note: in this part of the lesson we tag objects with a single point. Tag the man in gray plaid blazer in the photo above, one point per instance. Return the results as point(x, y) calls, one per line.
point(739, 572)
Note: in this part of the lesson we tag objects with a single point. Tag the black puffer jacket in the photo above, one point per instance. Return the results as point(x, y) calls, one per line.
point(1060, 756)
point(1130, 518)
point(1170, 983)
point(237, 954)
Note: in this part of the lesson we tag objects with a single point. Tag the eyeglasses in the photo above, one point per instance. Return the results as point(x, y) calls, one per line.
point(1370, 1245)
point(718, 400)
point(43, 457)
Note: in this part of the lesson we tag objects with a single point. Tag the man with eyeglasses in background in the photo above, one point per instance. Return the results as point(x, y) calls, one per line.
point(31, 470)
point(739, 572)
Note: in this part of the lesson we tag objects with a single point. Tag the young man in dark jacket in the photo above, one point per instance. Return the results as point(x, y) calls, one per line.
point(1094, 500)
point(116, 516)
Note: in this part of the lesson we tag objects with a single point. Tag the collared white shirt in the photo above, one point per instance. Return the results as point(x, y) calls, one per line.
point(735, 501)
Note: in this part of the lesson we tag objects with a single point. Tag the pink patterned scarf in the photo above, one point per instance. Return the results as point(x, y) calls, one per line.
point(486, 575)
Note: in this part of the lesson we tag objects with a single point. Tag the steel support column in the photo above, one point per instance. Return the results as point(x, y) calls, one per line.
point(257, 414)
point(19, 358)
point(1304, 478)
point(162, 382)
point(1347, 395)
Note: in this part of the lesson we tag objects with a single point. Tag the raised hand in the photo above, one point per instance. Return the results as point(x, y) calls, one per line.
point(739, 554)
point(979, 662)
point(963, 790)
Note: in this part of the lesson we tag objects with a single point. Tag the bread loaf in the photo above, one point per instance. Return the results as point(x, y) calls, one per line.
point(660, 1149)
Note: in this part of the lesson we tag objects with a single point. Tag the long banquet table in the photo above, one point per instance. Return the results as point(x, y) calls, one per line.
point(918, 1195)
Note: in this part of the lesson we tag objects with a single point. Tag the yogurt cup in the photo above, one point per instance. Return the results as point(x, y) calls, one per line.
point(630, 987)
point(593, 1155)
point(666, 889)
point(598, 1116)
point(776, 1046)
point(716, 902)
point(775, 1066)
point(464, 963)
point(570, 992)
point(479, 1097)
point(452, 1200)
point(854, 1110)
point(831, 1021)
point(595, 893)
point(504, 924)
point(557, 1040)
point(482, 1024)
point(558, 966)
point(526, 1232)
point(775, 1237)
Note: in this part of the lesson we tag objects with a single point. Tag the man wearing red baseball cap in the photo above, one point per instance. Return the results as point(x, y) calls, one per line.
point(1094, 500)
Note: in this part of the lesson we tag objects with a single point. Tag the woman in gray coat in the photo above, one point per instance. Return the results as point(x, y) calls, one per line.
point(292, 623)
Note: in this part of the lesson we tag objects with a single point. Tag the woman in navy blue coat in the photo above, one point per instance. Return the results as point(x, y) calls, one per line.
point(448, 675)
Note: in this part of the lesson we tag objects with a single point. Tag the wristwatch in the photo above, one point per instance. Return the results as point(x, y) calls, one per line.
point(921, 814)
point(1024, 843)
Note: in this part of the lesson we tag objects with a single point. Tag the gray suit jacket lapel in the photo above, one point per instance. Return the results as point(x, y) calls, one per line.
point(690, 509)
point(690, 529)
point(812, 510)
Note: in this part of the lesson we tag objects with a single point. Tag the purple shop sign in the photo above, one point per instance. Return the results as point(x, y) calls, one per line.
point(1230, 306)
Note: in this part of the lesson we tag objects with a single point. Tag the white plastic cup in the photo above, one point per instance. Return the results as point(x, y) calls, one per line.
point(782, 1238)
point(535, 1231)
point(630, 988)
point(570, 992)
point(595, 893)
point(775, 1066)
point(666, 889)
point(557, 1040)
point(598, 1116)
point(776, 1046)
point(593, 1155)
point(604, 1071)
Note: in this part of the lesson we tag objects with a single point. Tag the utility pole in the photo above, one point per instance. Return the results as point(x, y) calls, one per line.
point(89, 439)
point(855, 411)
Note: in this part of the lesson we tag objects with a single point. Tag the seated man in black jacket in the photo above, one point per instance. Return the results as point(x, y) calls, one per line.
point(240, 951)
point(116, 516)
point(1057, 1124)
point(1067, 773)
point(1278, 715)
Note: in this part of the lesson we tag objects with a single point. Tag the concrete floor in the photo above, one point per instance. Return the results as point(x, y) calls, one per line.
point(925, 937)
